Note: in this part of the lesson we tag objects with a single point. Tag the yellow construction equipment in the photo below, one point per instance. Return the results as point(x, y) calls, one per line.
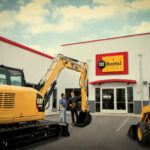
point(141, 131)
point(22, 108)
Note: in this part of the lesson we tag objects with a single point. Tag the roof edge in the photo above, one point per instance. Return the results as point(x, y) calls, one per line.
point(25, 47)
point(105, 39)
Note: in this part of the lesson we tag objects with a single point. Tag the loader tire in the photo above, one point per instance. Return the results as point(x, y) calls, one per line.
point(143, 133)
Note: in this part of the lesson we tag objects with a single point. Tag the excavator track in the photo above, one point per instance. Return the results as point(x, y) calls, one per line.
point(17, 135)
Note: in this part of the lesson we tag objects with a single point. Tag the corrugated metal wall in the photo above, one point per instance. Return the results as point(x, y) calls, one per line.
point(33, 65)
point(133, 45)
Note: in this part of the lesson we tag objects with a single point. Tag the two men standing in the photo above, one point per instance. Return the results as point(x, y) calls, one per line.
point(73, 103)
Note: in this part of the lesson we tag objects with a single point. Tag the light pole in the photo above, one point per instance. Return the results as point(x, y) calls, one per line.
point(141, 78)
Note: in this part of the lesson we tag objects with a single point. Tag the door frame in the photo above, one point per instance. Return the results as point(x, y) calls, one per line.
point(115, 100)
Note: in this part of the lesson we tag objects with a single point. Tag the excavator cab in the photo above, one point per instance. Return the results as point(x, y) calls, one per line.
point(11, 76)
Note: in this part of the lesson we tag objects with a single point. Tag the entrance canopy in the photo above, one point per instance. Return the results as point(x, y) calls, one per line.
point(127, 81)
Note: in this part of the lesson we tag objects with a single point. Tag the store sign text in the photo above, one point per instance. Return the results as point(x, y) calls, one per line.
point(112, 63)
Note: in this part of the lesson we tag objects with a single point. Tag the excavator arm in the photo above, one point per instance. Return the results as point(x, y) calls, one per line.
point(61, 62)
point(49, 80)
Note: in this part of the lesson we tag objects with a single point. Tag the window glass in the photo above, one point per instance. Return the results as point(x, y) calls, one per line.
point(121, 102)
point(97, 107)
point(2, 79)
point(97, 98)
point(16, 80)
point(130, 107)
point(108, 98)
point(130, 94)
point(97, 94)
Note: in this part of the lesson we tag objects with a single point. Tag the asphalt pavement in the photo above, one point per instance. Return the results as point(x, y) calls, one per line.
point(106, 132)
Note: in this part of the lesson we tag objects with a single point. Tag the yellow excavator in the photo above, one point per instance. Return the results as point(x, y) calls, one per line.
point(22, 108)
point(141, 131)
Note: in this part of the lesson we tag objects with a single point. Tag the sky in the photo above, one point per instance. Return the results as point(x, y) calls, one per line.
point(45, 25)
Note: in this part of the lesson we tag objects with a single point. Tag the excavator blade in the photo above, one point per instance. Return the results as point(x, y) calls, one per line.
point(84, 119)
point(132, 132)
point(64, 129)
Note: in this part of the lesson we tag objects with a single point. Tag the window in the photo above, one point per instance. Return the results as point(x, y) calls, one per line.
point(108, 98)
point(11, 76)
point(2, 79)
point(130, 99)
point(121, 101)
point(16, 80)
point(97, 98)
point(130, 94)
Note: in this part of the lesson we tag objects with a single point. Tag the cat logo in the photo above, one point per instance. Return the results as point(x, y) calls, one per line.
point(40, 101)
point(101, 64)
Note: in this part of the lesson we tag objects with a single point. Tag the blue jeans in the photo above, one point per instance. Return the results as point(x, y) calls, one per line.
point(62, 118)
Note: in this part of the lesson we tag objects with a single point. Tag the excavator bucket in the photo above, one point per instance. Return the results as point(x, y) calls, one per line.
point(132, 132)
point(84, 119)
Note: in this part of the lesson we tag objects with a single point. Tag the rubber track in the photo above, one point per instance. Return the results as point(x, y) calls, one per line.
point(17, 135)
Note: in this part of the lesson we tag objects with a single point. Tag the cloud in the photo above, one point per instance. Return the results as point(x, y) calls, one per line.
point(109, 2)
point(33, 13)
point(88, 38)
point(133, 6)
point(4, 1)
point(37, 16)
point(86, 13)
point(21, 2)
point(142, 28)
point(62, 26)
point(70, 18)
point(7, 20)
point(136, 4)
point(140, 4)
point(126, 30)
point(1, 5)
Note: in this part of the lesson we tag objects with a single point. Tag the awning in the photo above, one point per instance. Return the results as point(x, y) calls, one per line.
point(127, 81)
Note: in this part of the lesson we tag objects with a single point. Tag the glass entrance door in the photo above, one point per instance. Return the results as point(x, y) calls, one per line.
point(108, 100)
point(120, 97)
point(114, 100)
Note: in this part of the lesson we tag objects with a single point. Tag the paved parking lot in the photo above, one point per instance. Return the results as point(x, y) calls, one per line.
point(106, 132)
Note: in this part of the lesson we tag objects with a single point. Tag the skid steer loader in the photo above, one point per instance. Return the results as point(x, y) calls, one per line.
point(141, 131)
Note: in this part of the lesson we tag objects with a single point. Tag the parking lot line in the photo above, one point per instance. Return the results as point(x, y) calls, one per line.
point(118, 129)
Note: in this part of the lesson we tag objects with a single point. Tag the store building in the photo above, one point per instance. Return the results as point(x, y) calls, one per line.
point(119, 73)
point(34, 64)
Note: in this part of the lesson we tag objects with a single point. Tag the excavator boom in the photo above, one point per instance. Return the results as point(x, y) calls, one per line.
point(61, 62)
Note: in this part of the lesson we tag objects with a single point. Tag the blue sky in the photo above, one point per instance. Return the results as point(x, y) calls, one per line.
point(46, 24)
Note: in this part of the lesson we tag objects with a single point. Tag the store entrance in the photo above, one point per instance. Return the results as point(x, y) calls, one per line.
point(113, 100)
